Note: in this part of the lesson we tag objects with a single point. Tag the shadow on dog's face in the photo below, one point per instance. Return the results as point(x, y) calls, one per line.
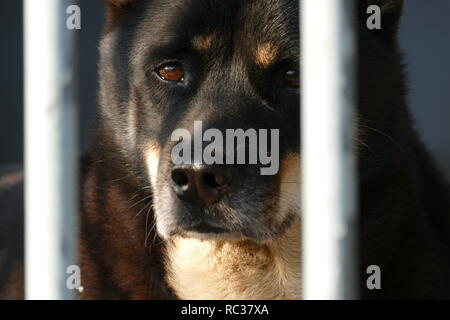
point(231, 65)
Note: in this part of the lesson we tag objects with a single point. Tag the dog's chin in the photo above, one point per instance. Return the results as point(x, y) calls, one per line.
point(204, 231)
point(207, 232)
point(225, 236)
point(217, 234)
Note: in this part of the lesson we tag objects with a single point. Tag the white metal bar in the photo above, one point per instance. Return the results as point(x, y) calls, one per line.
point(50, 150)
point(328, 193)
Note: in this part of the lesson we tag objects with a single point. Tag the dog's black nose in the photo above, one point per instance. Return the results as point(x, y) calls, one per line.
point(199, 185)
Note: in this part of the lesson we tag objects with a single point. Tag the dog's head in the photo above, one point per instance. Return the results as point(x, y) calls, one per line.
point(177, 76)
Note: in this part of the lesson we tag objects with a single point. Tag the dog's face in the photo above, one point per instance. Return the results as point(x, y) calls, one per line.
point(167, 64)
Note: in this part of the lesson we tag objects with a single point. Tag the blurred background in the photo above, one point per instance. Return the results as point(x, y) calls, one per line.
point(424, 38)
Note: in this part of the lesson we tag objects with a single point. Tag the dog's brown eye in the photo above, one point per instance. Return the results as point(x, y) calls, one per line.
point(292, 79)
point(171, 72)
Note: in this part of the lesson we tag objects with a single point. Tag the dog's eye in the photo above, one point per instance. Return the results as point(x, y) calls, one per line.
point(292, 79)
point(171, 72)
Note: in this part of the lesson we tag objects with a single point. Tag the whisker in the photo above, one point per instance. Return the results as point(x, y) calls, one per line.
point(366, 145)
point(383, 134)
point(140, 201)
point(145, 207)
point(146, 227)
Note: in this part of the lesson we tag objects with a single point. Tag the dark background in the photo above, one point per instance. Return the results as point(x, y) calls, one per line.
point(424, 37)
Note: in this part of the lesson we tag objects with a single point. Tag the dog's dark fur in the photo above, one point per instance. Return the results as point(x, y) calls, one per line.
point(404, 207)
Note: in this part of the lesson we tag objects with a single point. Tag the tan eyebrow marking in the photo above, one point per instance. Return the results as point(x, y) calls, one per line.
point(203, 42)
point(266, 54)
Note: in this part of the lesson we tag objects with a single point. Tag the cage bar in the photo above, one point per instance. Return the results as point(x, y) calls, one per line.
point(50, 150)
point(328, 186)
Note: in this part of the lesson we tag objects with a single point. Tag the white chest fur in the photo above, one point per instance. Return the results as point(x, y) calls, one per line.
point(222, 270)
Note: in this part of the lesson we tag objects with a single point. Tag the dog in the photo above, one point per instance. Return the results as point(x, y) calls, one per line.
point(154, 229)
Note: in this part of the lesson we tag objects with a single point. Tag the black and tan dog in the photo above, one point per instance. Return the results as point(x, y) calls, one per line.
point(154, 230)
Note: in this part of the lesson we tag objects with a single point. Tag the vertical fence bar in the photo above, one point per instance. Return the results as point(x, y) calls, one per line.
point(50, 150)
point(328, 194)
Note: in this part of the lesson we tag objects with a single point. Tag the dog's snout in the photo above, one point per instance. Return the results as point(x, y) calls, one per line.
point(203, 185)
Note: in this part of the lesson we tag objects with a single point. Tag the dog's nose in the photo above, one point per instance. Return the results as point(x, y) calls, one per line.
point(199, 185)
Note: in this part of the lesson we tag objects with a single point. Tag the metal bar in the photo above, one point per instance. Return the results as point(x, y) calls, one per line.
point(50, 150)
point(328, 191)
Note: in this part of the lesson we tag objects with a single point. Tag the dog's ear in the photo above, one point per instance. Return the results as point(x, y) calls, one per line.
point(390, 10)
point(116, 9)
